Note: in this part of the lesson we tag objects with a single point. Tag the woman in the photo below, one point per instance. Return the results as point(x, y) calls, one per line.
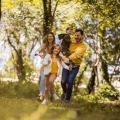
point(49, 41)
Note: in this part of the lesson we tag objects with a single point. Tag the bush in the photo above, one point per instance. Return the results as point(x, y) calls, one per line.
point(15, 89)
point(109, 92)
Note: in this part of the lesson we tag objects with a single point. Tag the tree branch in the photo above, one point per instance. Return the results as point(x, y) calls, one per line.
point(55, 8)
point(67, 8)
point(12, 46)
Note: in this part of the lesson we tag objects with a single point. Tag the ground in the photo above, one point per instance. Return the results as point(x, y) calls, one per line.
point(31, 109)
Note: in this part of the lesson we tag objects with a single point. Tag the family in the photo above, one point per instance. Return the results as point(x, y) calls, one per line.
point(60, 55)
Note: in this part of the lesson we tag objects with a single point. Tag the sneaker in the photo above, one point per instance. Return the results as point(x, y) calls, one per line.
point(51, 98)
point(55, 97)
point(63, 96)
point(45, 101)
point(66, 101)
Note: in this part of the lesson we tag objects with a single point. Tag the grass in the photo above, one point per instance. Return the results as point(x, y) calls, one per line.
point(31, 109)
point(18, 102)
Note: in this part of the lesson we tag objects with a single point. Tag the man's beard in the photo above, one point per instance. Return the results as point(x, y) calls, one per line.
point(77, 39)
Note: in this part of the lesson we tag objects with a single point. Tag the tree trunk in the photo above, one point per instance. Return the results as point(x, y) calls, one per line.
point(0, 10)
point(20, 67)
point(91, 84)
point(99, 64)
point(48, 17)
point(105, 71)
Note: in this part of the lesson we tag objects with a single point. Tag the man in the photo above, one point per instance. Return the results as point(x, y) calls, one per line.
point(77, 51)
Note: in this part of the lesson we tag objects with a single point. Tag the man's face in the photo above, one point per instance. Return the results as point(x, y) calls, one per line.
point(78, 37)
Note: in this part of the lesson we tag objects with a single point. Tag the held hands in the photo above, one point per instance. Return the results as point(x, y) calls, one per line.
point(70, 67)
point(49, 61)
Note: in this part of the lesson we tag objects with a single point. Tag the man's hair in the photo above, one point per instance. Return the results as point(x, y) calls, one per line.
point(79, 30)
point(69, 28)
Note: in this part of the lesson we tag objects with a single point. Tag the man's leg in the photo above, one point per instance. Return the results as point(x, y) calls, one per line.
point(65, 74)
point(72, 75)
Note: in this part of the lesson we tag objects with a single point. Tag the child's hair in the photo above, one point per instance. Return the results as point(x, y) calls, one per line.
point(54, 46)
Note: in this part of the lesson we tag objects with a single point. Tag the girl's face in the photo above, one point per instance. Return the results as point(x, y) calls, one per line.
point(56, 50)
point(50, 38)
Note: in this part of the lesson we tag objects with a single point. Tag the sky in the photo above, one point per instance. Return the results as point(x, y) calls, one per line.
point(5, 53)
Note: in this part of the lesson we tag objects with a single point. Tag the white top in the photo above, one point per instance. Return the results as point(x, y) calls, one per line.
point(47, 66)
point(57, 40)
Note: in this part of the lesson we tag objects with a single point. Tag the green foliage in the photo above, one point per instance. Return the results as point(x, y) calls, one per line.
point(28, 69)
point(24, 90)
point(109, 92)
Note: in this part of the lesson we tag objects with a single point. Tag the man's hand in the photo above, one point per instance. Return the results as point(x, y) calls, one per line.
point(70, 67)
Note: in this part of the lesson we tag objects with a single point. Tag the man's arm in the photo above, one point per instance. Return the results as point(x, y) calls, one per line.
point(78, 54)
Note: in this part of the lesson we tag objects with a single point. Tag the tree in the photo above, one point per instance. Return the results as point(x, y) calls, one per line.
point(22, 31)
point(0, 9)
point(49, 15)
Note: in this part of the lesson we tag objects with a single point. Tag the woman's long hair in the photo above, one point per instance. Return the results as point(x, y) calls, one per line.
point(46, 41)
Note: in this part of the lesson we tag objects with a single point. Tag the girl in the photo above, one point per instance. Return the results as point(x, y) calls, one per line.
point(52, 72)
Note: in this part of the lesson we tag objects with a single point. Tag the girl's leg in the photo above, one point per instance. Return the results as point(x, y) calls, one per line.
point(52, 78)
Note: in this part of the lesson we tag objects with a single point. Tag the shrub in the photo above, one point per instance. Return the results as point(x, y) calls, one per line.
point(15, 89)
point(109, 92)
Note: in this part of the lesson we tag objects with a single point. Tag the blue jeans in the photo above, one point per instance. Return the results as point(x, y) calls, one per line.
point(68, 78)
point(42, 83)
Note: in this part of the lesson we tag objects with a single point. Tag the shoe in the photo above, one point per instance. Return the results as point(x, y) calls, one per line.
point(63, 96)
point(51, 98)
point(55, 97)
point(45, 101)
point(66, 101)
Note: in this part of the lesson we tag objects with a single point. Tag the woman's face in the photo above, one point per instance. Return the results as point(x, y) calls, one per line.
point(56, 50)
point(50, 38)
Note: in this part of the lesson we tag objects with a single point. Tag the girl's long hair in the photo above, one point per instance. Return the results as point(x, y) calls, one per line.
point(54, 46)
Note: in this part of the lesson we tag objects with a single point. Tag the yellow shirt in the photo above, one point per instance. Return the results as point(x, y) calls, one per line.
point(54, 66)
point(77, 51)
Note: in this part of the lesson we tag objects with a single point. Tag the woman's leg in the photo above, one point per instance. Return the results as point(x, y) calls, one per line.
point(42, 83)
point(46, 89)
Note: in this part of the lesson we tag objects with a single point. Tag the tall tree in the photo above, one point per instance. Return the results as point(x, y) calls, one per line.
point(22, 31)
point(0, 9)
point(48, 14)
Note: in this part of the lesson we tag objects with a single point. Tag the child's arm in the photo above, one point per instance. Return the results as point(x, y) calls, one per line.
point(73, 41)
point(47, 60)
point(42, 48)
point(64, 58)
point(64, 65)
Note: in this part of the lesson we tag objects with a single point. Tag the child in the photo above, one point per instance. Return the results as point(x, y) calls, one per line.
point(64, 40)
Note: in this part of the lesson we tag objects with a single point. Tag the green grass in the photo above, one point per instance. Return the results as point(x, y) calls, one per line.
point(18, 102)
point(31, 109)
